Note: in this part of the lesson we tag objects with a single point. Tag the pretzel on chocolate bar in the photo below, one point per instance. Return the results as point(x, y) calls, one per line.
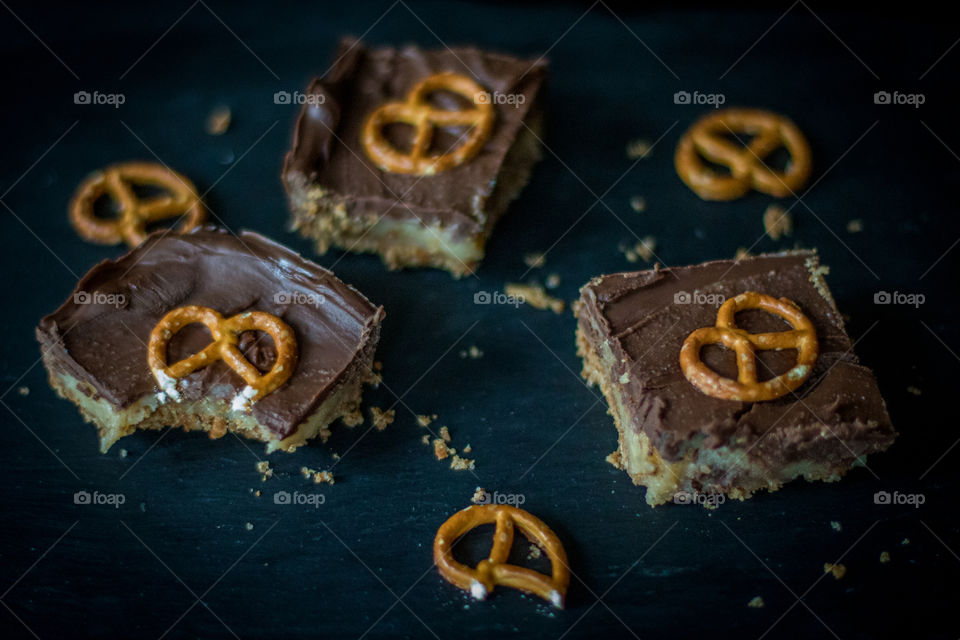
point(708, 138)
point(134, 213)
point(226, 335)
point(417, 112)
point(494, 571)
point(746, 388)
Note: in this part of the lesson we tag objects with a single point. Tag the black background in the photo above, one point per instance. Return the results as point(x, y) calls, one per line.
point(69, 570)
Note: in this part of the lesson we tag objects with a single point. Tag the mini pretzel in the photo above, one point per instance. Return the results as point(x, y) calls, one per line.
point(118, 181)
point(494, 570)
point(424, 117)
point(707, 138)
point(226, 334)
point(746, 388)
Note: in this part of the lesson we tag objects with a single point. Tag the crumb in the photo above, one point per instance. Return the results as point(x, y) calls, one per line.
point(377, 365)
point(218, 121)
point(777, 222)
point(479, 496)
point(855, 226)
point(467, 449)
point(535, 296)
point(838, 570)
point(249, 526)
point(445, 433)
point(461, 464)
point(306, 472)
point(353, 418)
point(535, 260)
point(638, 204)
point(441, 450)
point(552, 281)
point(24, 391)
point(757, 603)
point(123, 453)
point(884, 557)
point(643, 249)
point(905, 541)
point(473, 352)
point(425, 439)
point(258, 493)
point(381, 419)
point(425, 420)
point(335, 456)
point(741, 254)
point(264, 469)
point(836, 526)
point(374, 379)
point(638, 148)
point(323, 476)
point(614, 459)
point(534, 553)
point(914, 390)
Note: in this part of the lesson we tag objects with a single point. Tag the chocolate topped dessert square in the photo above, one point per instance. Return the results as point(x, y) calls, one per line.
point(215, 332)
point(413, 154)
point(729, 377)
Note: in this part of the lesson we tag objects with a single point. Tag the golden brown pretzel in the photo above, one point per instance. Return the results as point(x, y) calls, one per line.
point(746, 388)
point(494, 570)
point(117, 181)
point(707, 138)
point(423, 117)
point(226, 334)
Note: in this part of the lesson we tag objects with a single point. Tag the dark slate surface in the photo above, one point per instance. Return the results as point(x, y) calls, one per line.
point(176, 559)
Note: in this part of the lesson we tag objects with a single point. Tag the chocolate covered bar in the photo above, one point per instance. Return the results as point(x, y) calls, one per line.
point(729, 377)
point(213, 332)
point(413, 154)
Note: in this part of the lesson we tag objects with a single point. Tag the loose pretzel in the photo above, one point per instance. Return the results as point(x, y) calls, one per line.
point(424, 117)
point(118, 181)
point(494, 570)
point(708, 138)
point(226, 334)
point(746, 388)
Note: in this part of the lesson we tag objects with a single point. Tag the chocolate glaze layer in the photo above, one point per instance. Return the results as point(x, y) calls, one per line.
point(327, 150)
point(103, 343)
point(645, 326)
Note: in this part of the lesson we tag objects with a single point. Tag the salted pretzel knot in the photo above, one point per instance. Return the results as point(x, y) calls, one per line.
point(118, 181)
point(417, 112)
point(494, 571)
point(746, 388)
point(226, 334)
point(708, 138)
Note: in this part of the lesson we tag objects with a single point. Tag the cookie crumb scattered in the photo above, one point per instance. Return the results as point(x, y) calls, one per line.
point(425, 439)
point(535, 296)
point(638, 204)
point(639, 148)
point(777, 222)
point(425, 420)
point(467, 449)
point(641, 250)
point(381, 419)
point(884, 557)
point(353, 418)
point(479, 496)
point(323, 476)
point(24, 391)
point(249, 526)
point(855, 226)
point(461, 464)
point(614, 459)
point(219, 120)
point(258, 493)
point(445, 433)
point(914, 390)
point(838, 570)
point(535, 552)
point(123, 453)
point(757, 603)
point(552, 281)
point(535, 260)
point(440, 449)
point(265, 471)
point(836, 526)
point(473, 352)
